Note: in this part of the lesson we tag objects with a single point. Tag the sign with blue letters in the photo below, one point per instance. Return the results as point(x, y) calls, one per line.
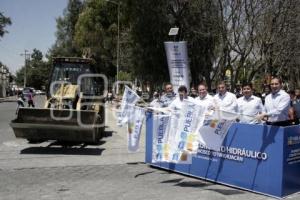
point(261, 158)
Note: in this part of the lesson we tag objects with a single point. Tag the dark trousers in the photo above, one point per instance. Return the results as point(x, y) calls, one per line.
point(281, 123)
point(30, 103)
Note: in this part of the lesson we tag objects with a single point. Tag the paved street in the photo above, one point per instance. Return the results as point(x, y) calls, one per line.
point(106, 171)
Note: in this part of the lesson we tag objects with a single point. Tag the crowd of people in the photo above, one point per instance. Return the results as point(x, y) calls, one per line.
point(274, 107)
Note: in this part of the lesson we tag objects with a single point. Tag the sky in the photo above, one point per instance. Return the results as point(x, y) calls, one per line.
point(33, 26)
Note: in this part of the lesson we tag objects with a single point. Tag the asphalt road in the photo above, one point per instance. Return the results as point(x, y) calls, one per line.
point(50, 170)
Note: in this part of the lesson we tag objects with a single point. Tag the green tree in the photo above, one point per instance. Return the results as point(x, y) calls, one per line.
point(198, 25)
point(96, 34)
point(64, 45)
point(198, 22)
point(149, 27)
point(37, 71)
point(4, 21)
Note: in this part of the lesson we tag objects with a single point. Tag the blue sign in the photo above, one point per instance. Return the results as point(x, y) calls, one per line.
point(261, 158)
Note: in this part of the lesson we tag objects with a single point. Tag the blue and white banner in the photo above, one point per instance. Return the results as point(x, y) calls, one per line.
point(128, 100)
point(135, 121)
point(215, 128)
point(178, 64)
point(161, 146)
point(186, 137)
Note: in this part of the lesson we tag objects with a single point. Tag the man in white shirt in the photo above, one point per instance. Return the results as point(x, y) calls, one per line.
point(168, 97)
point(249, 105)
point(204, 99)
point(225, 100)
point(176, 105)
point(277, 105)
point(155, 101)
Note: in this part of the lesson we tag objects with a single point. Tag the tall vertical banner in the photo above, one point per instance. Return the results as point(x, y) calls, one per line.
point(178, 64)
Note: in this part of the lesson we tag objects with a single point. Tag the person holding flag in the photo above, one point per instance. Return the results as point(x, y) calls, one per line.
point(277, 105)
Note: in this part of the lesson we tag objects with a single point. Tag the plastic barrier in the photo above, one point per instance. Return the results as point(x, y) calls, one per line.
point(260, 158)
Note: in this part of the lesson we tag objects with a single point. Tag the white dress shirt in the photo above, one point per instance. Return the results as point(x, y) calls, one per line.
point(226, 102)
point(248, 108)
point(207, 101)
point(277, 106)
point(176, 105)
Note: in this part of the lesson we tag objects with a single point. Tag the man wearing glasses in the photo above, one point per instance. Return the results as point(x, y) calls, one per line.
point(168, 97)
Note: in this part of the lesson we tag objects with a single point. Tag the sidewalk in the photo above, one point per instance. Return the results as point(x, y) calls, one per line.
point(9, 99)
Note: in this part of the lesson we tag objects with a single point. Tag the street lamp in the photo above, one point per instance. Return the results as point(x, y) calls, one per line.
point(118, 40)
point(25, 54)
point(3, 72)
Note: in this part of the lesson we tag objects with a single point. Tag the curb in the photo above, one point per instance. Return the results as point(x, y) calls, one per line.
point(8, 99)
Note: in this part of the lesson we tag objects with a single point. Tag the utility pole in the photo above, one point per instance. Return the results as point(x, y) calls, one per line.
point(26, 56)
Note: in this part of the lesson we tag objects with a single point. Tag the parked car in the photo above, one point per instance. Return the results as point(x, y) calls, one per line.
point(26, 91)
point(39, 92)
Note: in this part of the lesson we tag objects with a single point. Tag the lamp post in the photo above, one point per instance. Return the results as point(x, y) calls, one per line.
point(3, 74)
point(118, 41)
point(1, 80)
point(25, 54)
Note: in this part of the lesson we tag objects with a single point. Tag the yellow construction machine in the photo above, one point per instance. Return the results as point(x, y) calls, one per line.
point(74, 110)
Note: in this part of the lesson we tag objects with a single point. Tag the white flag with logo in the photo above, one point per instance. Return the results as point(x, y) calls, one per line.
point(128, 100)
point(135, 121)
point(215, 127)
point(161, 147)
point(186, 138)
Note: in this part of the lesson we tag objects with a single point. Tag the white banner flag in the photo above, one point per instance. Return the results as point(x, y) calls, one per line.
point(186, 138)
point(129, 99)
point(215, 128)
point(135, 121)
point(178, 64)
point(161, 147)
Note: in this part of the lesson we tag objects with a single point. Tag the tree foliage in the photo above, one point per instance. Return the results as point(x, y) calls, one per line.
point(249, 39)
point(64, 45)
point(4, 21)
point(37, 71)
point(149, 26)
point(96, 34)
